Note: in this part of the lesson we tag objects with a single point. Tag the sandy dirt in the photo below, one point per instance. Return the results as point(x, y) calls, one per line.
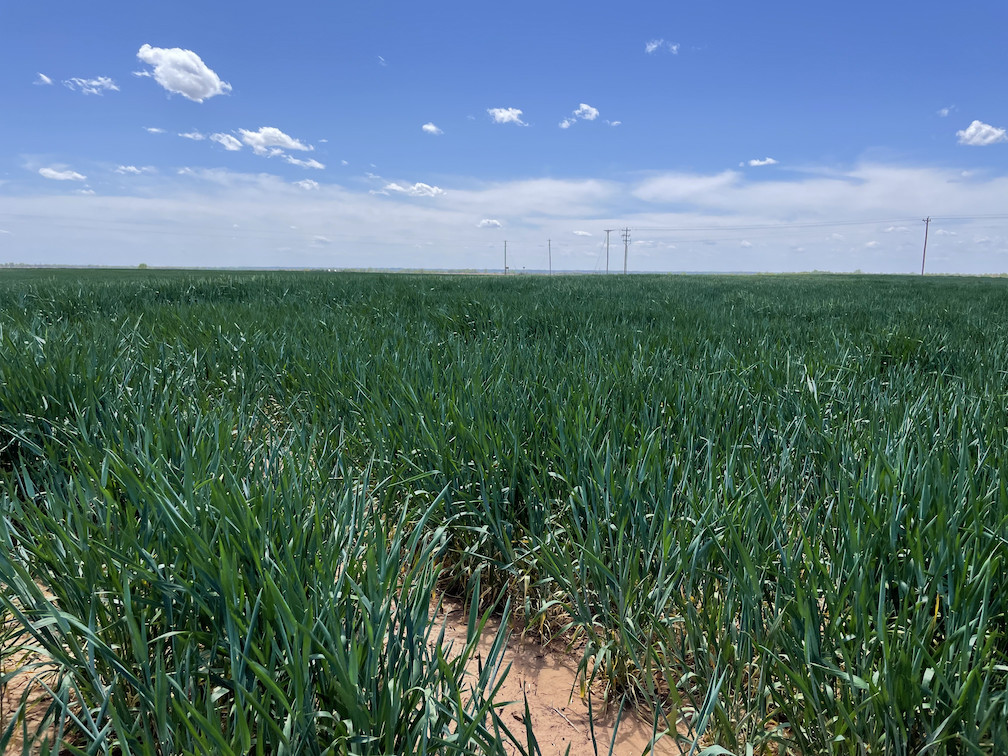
point(547, 677)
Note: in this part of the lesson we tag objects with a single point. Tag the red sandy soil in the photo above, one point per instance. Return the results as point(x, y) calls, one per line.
point(547, 677)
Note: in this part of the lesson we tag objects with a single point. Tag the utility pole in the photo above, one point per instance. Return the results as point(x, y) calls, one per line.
point(607, 231)
point(927, 223)
point(549, 247)
point(505, 257)
point(626, 248)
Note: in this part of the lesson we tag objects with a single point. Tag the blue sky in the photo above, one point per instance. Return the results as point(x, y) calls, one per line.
point(725, 135)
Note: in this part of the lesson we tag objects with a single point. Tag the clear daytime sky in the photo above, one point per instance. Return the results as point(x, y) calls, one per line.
point(726, 135)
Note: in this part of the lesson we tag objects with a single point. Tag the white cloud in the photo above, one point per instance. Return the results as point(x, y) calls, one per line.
point(871, 244)
point(269, 136)
point(679, 187)
point(944, 232)
point(581, 233)
point(344, 162)
point(226, 141)
point(154, 130)
point(194, 135)
point(615, 123)
point(944, 112)
point(307, 184)
point(42, 80)
point(746, 244)
point(382, 61)
point(61, 175)
point(86, 191)
point(182, 72)
point(897, 229)
point(304, 163)
point(755, 162)
point(584, 112)
point(660, 45)
point(980, 134)
point(132, 170)
point(91, 86)
point(418, 189)
point(489, 223)
point(430, 128)
point(506, 115)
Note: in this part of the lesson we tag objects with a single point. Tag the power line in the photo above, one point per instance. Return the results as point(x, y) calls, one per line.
point(817, 224)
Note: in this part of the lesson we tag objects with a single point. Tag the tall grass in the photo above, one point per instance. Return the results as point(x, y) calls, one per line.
point(775, 507)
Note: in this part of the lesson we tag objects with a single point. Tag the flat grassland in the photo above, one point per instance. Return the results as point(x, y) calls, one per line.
point(763, 511)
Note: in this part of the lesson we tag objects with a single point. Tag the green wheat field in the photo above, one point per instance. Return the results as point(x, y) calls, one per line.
point(774, 508)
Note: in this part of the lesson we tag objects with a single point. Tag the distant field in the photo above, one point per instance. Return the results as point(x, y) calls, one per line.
point(774, 505)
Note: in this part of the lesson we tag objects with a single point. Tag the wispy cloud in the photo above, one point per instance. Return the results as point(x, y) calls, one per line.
point(382, 61)
point(489, 223)
point(980, 134)
point(756, 163)
point(95, 86)
point(506, 115)
point(154, 130)
point(57, 174)
point(660, 45)
point(310, 163)
point(132, 170)
point(42, 80)
point(418, 189)
point(945, 112)
point(182, 72)
point(584, 112)
point(307, 184)
point(226, 141)
point(430, 128)
point(581, 233)
point(194, 135)
point(271, 137)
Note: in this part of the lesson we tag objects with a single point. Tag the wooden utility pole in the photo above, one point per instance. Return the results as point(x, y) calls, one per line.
point(607, 232)
point(549, 247)
point(927, 223)
point(505, 257)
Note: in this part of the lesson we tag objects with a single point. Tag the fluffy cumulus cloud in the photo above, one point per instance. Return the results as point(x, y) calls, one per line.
point(226, 141)
point(506, 115)
point(61, 175)
point(307, 184)
point(980, 134)
point(756, 162)
point(269, 138)
point(182, 72)
point(489, 223)
point(95, 86)
point(584, 112)
point(430, 128)
point(418, 189)
point(42, 80)
point(660, 45)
